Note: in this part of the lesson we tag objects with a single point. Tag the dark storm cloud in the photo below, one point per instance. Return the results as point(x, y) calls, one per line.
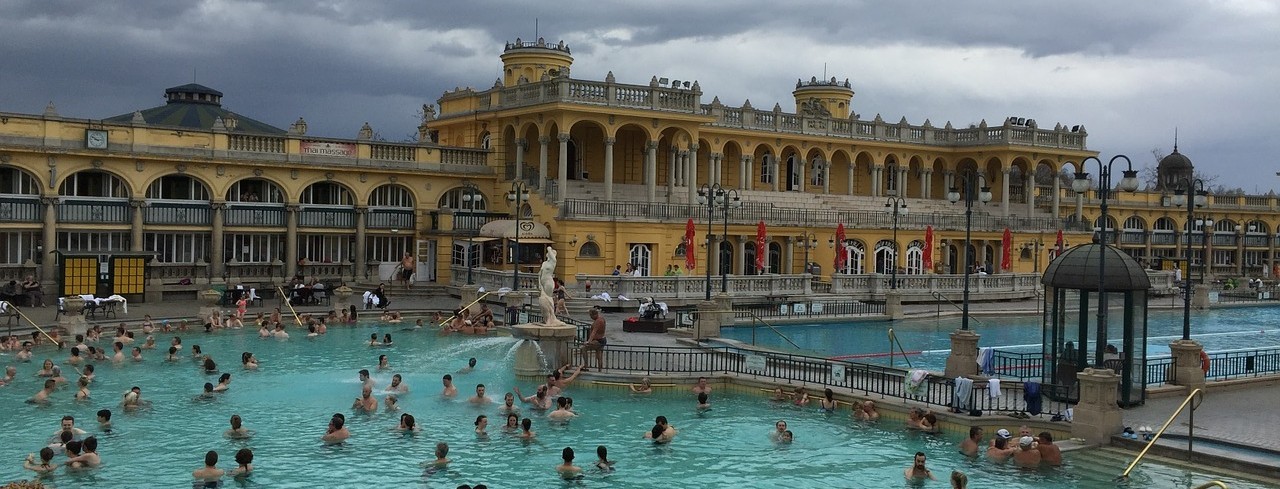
point(1129, 70)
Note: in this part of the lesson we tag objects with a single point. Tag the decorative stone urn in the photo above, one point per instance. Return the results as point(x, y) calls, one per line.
point(72, 320)
point(343, 294)
point(210, 301)
point(543, 348)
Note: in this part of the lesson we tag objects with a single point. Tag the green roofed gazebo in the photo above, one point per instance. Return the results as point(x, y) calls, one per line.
point(195, 106)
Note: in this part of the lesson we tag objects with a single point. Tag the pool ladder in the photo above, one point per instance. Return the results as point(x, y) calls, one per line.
point(942, 298)
point(893, 341)
point(757, 319)
point(1193, 400)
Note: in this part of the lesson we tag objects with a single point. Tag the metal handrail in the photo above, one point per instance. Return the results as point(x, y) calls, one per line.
point(939, 296)
point(463, 308)
point(755, 318)
point(1196, 395)
point(14, 308)
point(893, 340)
point(287, 302)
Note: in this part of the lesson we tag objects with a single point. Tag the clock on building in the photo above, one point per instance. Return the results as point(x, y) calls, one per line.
point(95, 139)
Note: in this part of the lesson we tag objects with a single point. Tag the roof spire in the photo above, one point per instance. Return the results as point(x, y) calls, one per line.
point(1175, 139)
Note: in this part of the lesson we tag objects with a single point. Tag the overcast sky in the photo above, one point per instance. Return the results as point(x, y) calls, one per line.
point(1131, 72)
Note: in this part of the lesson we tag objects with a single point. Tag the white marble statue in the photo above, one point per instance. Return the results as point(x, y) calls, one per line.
point(547, 287)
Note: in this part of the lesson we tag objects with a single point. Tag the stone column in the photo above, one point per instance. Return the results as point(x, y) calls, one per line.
point(963, 359)
point(1029, 193)
point(691, 180)
point(877, 180)
point(49, 242)
point(542, 161)
point(926, 183)
point(1240, 253)
point(361, 252)
point(1057, 197)
point(521, 145)
point(1097, 417)
point(1004, 191)
point(743, 181)
point(563, 174)
point(713, 255)
point(672, 173)
point(1080, 209)
point(651, 170)
point(218, 255)
point(1187, 367)
point(902, 187)
point(802, 175)
point(849, 180)
point(826, 177)
point(739, 265)
point(790, 253)
point(135, 234)
point(291, 240)
point(608, 168)
point(777, 174)
point(893, 305)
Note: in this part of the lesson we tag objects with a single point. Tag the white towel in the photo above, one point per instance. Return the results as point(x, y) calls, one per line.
point(603, 296)
point(4, 306)
point(623, 298)
point(993, 387)
point(369, 297)
point(964, 391)
point(124, 303)
point(986, 357)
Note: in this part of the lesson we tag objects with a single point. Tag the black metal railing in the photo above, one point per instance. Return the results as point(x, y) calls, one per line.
point(194, 213)
point(1229, 365)
point(887, 382)
point(389, 219)
point(807, 309)
point(1017, 365)
point(21, 209)
point(1160, 371)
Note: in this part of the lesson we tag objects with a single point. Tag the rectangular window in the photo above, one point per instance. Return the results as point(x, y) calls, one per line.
point(1224, 257)
point(17, 247)
point(178, 247)
point(460, 254)
point(93, 241)
point(324, 248)
point(255, 248)
point(388, 248)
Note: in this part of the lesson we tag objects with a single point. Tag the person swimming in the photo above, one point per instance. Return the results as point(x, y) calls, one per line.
point(482, 423)
point(603, 464)
point(566, 469)
point(237, 431)
point(407, 423)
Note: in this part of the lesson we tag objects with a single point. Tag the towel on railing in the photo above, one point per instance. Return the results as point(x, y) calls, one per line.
point(1031, 394)
point(963, 394)
point(986, 360)
point(914, 382)
point(124, 303)
point(993, 387)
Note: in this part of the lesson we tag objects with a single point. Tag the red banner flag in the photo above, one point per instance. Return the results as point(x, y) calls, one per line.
point(1058, 246)
point(842, 253)
point(762, 251)
point(1005, 243)
point(928, 248)
point(690, 256)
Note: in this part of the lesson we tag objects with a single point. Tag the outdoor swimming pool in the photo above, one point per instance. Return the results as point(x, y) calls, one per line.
point(302, 382)
point(929, 344)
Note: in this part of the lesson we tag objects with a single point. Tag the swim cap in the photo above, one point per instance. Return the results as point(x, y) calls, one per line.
point(1004, 434)
point(1026, 441)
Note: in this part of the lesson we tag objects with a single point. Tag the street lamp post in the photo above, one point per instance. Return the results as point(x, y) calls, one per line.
point(809, 241)
point(1192, 194)
point(1206, 225)
point(730, 200)
point(714, 196)
point(971, 192)
point(517, 196)
point(471, 197)
point(898, 205)
point(1128, 183)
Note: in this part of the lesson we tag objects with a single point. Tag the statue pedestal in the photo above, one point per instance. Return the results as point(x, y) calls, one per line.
point(964, 354)
point(893, 305)
point(1187, 366)
point(708, 323)
point(343, 294)
point(1200, 297)
point(1097, 417)
point(543, 348)
point(209, 303)
point(71, 320)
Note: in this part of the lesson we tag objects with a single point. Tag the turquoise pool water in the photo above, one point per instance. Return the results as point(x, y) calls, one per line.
point(928, 343)
point(302, 382)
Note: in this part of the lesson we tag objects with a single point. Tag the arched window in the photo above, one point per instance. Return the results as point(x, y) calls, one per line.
point(485, 142)
point(817, 175)
point(767, 167)
point(775, 258)
point(726, 258)
point(857, 257)
point(327, 193)
point(589, 250)
point(391, 195)
point(177, 187)
point(641, 258)
point(915, 258)
point(886, 254)
point(462, 199)
point(17, 182)
point(1135, 223)
point(255, 190)
point(92, 183)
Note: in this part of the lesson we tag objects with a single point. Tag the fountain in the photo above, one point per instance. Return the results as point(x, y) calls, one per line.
point(548, 344)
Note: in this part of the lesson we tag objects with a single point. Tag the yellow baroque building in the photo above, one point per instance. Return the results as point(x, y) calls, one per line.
point(610, 174)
